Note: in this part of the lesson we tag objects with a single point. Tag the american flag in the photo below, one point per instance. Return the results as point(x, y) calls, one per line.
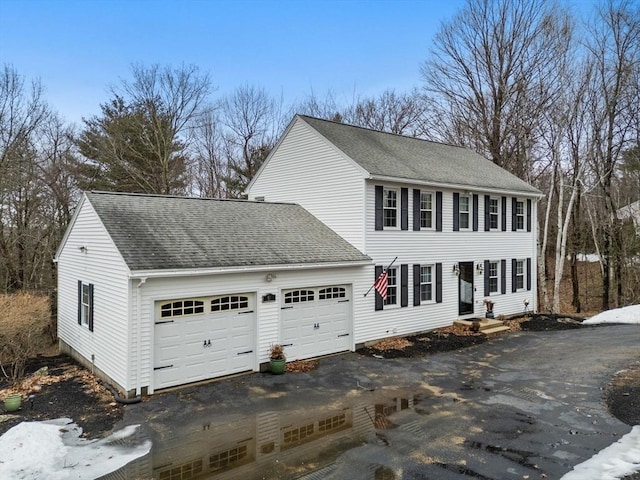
point(381, 284)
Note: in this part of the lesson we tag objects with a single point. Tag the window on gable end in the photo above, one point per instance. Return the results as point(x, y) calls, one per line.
point(85, 304)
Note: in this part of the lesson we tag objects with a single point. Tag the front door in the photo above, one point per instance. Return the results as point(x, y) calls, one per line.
point(465, 288)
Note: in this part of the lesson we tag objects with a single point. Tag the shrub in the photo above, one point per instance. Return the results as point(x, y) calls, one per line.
point(24, 318)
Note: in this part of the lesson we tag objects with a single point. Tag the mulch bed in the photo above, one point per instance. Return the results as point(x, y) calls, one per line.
point(67, 390)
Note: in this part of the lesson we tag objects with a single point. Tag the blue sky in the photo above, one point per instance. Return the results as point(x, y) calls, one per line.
point(290, 48)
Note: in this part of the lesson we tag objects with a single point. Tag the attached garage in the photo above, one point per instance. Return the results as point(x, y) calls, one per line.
point(316, 321)
point(201, 338)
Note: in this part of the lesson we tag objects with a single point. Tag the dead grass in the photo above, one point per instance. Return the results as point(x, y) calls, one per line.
point(24, 318)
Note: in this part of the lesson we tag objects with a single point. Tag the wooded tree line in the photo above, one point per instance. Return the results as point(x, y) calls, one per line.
point(548, 96)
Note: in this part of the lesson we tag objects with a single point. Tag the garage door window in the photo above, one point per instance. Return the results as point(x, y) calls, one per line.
point(332, 292)
point(298, 296)
point(180, 308)
point(231, 302)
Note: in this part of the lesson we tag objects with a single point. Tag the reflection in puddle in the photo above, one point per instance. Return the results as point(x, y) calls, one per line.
point(301, 444)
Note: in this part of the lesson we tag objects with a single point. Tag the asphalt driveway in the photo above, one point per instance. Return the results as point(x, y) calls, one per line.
point(524, 405)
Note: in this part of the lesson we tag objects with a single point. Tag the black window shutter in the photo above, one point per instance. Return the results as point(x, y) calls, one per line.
point(475, 212)
point(514, 217)
point(404, 285)
point(378, 207)
point(514, 287)
point(438, 211)
point(503, 276)
point(528, 273)
point(91, 307)
point(504, 214)
point(528, 214)
point(438, 282)
point(456, 212)
point(404, 209)
point(487, 216)
point(416, 209)
point(487, 292)
point(379, 300)
point(79, 302)
point(416, 285)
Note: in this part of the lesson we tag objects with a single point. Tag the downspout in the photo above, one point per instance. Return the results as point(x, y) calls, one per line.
point(139, 333)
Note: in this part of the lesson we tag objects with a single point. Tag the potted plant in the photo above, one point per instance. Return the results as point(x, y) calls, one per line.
point(12, 402)
point(277, 359)
point(489, 305)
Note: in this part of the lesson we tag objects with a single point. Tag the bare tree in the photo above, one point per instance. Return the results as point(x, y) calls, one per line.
point(613, 48)
point(492, 71)
point(253, 121)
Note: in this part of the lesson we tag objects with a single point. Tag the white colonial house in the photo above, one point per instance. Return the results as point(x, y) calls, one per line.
point(462, 228)
point(160, 291)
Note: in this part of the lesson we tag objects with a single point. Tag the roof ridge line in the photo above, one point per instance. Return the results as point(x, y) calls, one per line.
point(183, 197)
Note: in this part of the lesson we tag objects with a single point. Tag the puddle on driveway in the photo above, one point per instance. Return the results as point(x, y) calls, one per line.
point(301, 443)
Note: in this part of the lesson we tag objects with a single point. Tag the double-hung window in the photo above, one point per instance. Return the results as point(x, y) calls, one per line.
point(426, 283)
point(426, 210)
point(464, 212)
point(494, 213)
point(519, 215)
point(390, 207)
point(392, 287)
point(85, 304)
point(519, 274)
point(494, 277)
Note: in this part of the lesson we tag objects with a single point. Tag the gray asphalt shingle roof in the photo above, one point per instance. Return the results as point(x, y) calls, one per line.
point(162, 232)
point(409, 158)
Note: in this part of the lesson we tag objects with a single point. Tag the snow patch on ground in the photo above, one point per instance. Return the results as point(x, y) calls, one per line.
point(54, 450)
point(614, 462)
point(630, 314)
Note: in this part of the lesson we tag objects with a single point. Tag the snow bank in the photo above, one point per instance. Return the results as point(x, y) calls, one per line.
point(630, 314)
point(53, 450)
point(614, 462)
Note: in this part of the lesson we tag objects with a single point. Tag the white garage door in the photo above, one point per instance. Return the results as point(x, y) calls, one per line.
point(201, 338)
point(316, 321)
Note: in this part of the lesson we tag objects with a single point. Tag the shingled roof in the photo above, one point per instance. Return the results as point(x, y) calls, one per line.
point(408, 158)
point(163, 232)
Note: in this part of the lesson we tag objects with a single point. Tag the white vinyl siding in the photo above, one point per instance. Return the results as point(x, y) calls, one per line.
point(428, 247)
point(268, 313)
point(306, 169)
point(100, 264)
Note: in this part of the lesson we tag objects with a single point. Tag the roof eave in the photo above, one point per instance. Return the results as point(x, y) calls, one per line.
point(187, 272)
point(456, 186)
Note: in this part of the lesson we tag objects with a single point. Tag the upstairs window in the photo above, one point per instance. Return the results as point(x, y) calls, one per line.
point(464, 212)
point(426, 210)
point(519, 215)
point(494, 213)
point(390, 207)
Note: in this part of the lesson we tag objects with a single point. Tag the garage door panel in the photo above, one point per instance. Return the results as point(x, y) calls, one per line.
point(205, 345)
point(316, 321)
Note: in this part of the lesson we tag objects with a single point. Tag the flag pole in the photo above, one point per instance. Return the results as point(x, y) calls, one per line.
point(385, 270)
